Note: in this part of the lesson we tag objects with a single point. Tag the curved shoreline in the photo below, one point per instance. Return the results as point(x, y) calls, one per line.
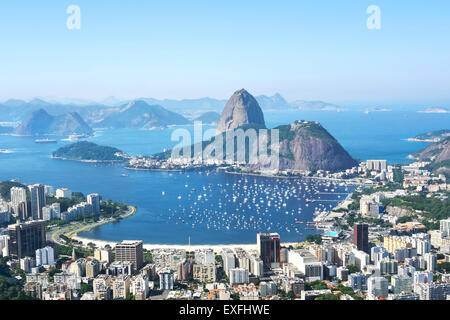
point(72, 233)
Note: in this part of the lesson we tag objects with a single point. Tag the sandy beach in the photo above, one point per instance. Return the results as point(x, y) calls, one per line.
point(215, 247)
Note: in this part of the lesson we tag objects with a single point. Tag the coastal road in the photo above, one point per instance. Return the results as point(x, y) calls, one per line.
point(72, 229)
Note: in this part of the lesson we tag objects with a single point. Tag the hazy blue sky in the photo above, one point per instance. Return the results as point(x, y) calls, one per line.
point(187, 49)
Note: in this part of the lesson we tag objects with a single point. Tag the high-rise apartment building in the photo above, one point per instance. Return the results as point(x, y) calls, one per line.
point(238, 275)
point(130, 251)
point(269, 249)
point(25, 238)
point(19, 202)
point(37, 201)
point(361, 237)
point(45, 256)
point(166, 279)
point(94, 200)
point(377, 287)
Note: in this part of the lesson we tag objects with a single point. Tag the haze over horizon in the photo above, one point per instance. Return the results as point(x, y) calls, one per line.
point(311, 51)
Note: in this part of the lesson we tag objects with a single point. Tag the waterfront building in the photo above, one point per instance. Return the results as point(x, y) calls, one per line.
point(94, 200)
point(25, 238)
point(269, 249)
point(130, 251)
point(205, 256)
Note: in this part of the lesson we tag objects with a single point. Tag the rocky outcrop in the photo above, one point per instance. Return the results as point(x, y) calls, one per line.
point(399, 211)
point(307, 146)
point(241, 109)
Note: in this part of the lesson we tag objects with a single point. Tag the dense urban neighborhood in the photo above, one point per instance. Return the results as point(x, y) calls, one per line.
point(388, 240)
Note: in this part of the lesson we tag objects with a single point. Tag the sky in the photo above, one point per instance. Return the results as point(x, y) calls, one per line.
point(309, 50)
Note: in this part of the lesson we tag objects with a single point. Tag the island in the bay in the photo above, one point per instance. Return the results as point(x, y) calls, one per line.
point(89, 152)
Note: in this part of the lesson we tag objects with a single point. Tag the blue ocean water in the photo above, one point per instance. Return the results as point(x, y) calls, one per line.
point(380, 135)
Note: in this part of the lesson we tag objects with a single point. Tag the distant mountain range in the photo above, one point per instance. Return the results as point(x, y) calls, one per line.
point(210, 117)
point(316, 105)
point(92, 112)
point(40, 122)
point(17, 110)
point(139, 114)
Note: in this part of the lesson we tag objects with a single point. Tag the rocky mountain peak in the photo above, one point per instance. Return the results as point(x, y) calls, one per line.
point(241, 109)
